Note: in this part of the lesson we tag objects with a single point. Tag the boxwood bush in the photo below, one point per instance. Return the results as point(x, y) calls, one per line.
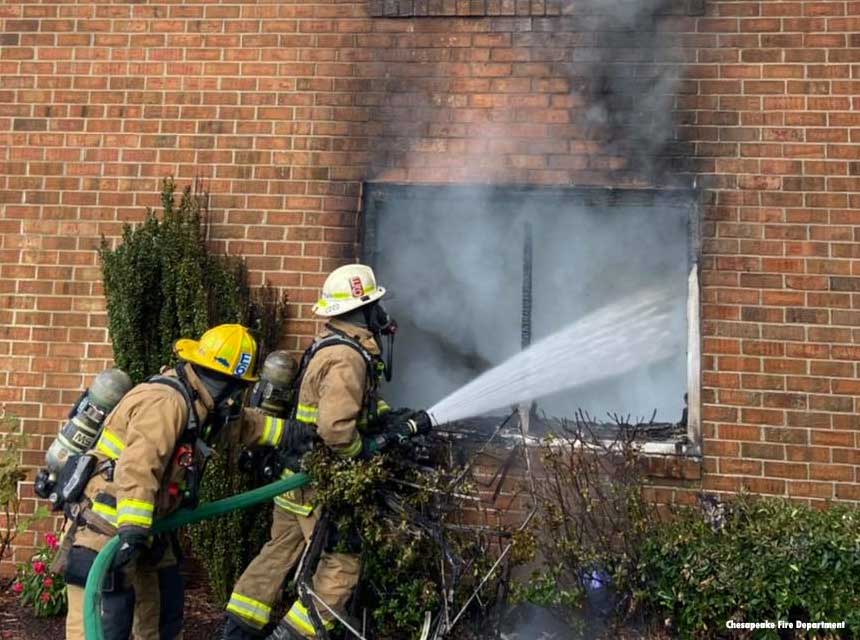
point(162, 282)
point(770, 560)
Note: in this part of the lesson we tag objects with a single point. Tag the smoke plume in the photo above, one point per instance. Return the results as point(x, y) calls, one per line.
point(452, 256)
point(454, 266)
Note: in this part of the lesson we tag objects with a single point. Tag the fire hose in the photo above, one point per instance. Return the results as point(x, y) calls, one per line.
point(92, 605)
point(418, 422)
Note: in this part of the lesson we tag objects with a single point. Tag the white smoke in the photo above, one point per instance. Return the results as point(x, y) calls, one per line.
point(452, 257)
point(454, 266)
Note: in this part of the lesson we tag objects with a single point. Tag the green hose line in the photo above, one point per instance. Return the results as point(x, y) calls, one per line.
point(92, 618)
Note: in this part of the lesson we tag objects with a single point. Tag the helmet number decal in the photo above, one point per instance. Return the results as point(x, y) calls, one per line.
point(244, 363)
point(357, 287)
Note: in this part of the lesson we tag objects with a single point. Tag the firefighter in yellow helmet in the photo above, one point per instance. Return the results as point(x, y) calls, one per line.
point(147, 462)
point(337, 396)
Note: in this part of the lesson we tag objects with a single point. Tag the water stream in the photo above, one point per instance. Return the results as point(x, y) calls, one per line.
point(630, 333)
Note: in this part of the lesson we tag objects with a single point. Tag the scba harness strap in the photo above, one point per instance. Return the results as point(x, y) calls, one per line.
point(340, 338)
point(181, 386)
point(190, 441)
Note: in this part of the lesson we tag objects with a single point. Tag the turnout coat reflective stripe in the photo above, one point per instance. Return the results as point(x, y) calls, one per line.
point(333, 388)
point(331, 397)
point(140, 436)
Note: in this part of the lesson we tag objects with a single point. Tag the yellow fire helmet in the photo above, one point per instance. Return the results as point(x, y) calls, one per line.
point(228, 348)
point(347, 288)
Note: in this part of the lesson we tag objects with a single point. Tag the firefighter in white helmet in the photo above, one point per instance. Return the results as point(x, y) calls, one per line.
point(337, 395)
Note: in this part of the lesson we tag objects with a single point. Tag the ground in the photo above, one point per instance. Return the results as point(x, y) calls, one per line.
point(202, 620)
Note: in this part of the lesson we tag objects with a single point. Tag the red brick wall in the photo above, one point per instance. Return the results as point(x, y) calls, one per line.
point(773, 116)
point(285, 108)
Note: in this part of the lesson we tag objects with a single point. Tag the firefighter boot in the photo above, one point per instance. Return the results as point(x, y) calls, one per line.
point(235, 630)
point(285, 631)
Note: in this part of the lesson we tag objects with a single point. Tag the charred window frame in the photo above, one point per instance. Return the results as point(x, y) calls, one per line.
point(385, 203)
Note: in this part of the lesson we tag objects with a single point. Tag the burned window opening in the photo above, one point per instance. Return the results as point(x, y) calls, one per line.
point(456, 259)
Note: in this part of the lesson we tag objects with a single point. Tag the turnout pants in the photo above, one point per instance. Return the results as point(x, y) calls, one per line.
point(250, 606)
point(145, 603)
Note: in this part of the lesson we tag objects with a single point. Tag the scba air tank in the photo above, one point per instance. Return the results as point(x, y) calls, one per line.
point(273, 392)
point(79, 434)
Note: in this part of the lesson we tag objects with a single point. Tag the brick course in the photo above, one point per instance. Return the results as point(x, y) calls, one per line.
point(285, 108)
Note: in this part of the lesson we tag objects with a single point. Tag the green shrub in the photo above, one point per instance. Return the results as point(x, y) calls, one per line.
point(162, 283)
point(417, 555)
point(591, 516)
point(12, 473)
point(772, 560)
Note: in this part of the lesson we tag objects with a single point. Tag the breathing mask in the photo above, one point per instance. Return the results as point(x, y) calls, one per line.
point(227, 395)
point(381, 324)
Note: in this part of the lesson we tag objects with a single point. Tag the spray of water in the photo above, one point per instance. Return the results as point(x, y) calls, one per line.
point(621, 336)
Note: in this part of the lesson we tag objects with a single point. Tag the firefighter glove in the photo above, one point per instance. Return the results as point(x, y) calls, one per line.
point(417, 424)
point(131, 545)
point(298, 438)
point(387, 420)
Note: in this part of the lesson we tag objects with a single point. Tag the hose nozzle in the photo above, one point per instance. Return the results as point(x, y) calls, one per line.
point(420, 423)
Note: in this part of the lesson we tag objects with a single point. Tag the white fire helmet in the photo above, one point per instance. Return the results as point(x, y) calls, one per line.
point(347, 288)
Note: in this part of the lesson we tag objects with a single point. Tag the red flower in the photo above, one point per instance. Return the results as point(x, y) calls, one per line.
point(46, 597)
point(52, 541)
point(48, 582)
point(39, 567)
point(17, 587)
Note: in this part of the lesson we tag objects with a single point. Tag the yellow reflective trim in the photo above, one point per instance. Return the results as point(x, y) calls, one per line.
point(308, 411)
point(110, 445)
point(349, 296)
point(262, 606)
point(382, 407)
point(266, 438)
point(138, 504)
point(289, 501)
point(272, 432)
point(102, 447)
point(126, 518)
point(307, 414)
point(352, 450)
point(252, 610)
point(106, 512)
point(139, 512)
point(294, 507)
point(299, 618)
point(279, 430)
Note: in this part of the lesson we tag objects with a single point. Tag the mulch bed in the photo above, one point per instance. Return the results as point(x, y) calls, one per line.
point(203, 621)
point(19, 624)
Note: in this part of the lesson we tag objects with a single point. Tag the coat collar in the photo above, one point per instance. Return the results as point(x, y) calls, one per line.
point(204, 403)
point(362, 335)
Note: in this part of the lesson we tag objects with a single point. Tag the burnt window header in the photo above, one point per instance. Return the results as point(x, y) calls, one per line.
point(517, 8)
